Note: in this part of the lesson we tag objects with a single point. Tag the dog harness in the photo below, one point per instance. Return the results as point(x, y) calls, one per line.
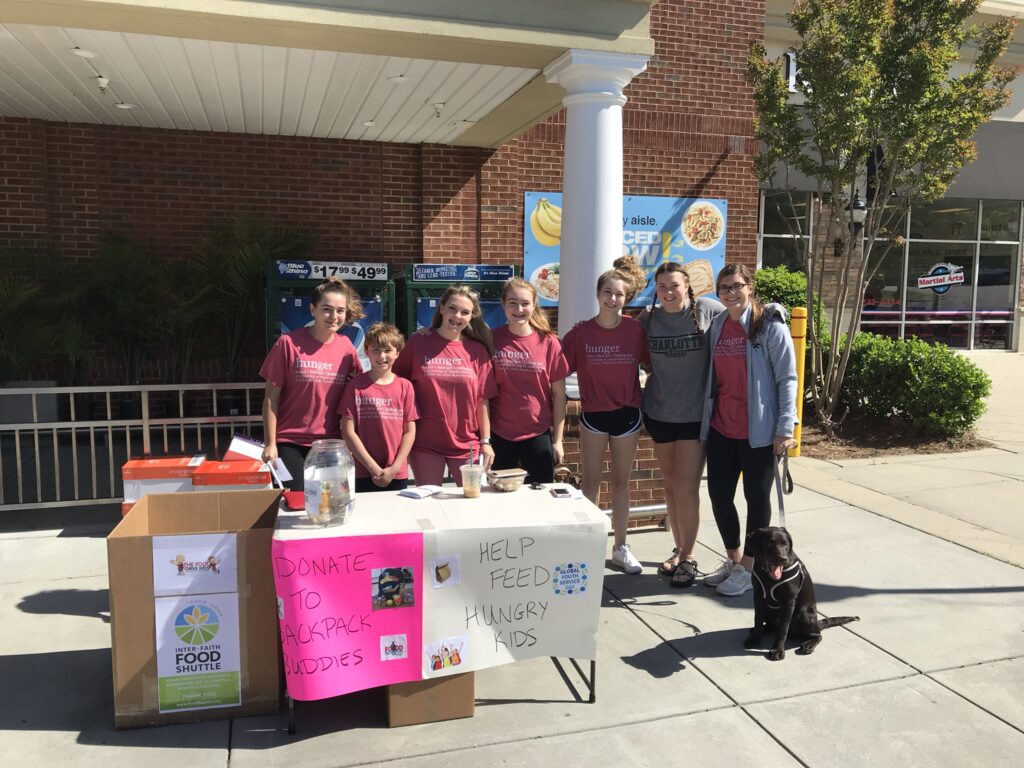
point(794, 571)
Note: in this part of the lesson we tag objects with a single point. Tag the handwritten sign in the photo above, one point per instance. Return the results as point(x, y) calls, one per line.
point(523, 592)
point(350, 611)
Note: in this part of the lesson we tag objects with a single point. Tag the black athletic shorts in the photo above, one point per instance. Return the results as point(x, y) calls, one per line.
point(620, 423)
point(670, 431)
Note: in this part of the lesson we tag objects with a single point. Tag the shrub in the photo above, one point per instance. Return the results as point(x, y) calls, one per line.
point(779, 284)
point(933, 388)
point(787, 288)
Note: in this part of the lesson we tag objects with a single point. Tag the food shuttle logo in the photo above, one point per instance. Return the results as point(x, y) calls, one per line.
point(196, 627)
point(941, 277)
point(197, 624)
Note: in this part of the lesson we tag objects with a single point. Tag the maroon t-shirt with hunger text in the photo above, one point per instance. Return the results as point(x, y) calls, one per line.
point(379, 413)
point(524, 368)
point(312, 379)
point(450, 379)
point(730, 360)
point(608, 363)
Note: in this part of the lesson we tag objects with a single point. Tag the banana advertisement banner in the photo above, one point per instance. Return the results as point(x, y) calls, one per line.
point(687, 230)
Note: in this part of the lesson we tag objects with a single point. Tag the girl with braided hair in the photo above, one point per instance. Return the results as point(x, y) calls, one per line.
point(677, 361)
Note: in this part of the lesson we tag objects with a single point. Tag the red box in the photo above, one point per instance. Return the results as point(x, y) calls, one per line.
point(217, 475)
point(166, 474)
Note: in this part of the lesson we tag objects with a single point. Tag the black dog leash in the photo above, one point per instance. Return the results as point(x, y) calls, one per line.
point(783, 484)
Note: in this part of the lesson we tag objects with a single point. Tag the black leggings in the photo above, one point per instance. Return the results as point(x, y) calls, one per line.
point(294, 457)
point(726, 459)
point(534, 454)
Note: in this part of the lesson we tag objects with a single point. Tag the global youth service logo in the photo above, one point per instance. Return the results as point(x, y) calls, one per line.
point(570, 579)
point(197, 624)
point(941, 277)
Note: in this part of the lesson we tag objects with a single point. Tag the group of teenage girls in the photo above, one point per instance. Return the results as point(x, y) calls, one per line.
point(721, 388)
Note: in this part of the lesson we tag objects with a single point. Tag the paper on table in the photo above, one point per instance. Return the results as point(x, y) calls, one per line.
point(420, 491)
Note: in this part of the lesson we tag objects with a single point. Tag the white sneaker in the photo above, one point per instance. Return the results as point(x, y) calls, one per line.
point(623, 558)
point(737, 583)
point(720, 574)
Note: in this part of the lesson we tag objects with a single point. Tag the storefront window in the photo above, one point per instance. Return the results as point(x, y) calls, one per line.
point(940, 281)
point(782, 217)
point(954, 281)
point(946, 219)
point(996, 279)
point(782, 251)
point(891, 330)
point(785, 217)
point(883, 298)
point(954, 335)
point(1000, 220)
point(993, 336)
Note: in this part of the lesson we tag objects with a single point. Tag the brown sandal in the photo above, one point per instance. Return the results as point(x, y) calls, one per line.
point(668, 567)
point(685, 575)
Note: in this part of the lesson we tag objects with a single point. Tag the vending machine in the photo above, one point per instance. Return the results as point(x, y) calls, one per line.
point(290, 283)
point(425, 284)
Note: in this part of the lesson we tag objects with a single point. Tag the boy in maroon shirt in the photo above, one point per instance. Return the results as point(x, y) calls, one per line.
point(379, 415)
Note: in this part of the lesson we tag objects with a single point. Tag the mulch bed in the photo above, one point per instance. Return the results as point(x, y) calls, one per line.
point(859, 438)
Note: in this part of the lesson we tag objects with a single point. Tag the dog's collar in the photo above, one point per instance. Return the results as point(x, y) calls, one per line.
point(793, 571)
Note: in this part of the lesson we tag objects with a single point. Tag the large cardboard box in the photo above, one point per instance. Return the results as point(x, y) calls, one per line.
point(207, 610)
point(430, 701)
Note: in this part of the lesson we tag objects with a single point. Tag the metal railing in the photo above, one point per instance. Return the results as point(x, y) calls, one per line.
point(64, 446)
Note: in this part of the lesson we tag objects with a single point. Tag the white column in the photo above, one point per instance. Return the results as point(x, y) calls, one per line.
point(592, 183)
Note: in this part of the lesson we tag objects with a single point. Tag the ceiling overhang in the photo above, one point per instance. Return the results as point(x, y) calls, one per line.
point(471, 69)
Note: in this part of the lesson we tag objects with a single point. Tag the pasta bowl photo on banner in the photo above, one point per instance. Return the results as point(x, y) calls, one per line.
point(703, 225)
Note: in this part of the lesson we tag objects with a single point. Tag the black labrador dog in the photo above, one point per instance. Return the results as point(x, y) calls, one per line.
point(784, 595)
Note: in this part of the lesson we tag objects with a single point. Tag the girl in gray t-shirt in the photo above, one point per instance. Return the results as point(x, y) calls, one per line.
point(673, 399)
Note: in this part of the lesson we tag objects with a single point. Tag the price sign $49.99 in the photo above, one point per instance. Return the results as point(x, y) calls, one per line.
point(348, 270)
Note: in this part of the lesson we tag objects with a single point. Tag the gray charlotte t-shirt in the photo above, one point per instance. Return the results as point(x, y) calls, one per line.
point(679, 358)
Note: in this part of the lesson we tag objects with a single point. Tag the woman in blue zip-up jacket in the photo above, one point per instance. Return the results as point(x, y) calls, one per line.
point(748, 418)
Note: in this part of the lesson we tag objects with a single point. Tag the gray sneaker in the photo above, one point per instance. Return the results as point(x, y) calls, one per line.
point(720, 574)
point(737, 583)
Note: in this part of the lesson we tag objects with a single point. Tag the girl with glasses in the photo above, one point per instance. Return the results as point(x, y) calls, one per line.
point(748, 416)
point(606, 351)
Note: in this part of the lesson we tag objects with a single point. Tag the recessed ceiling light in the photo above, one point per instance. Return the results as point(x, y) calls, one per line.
point(399, 78)
point(124, 105)
point(83, 53)
point(369, 123)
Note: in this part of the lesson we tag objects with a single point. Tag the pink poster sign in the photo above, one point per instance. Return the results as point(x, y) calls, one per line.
point(350, 610)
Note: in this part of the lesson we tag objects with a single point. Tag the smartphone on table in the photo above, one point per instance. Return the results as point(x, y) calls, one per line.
point(561, 493)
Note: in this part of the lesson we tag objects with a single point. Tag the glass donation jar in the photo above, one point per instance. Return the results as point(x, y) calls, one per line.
point(329, 478)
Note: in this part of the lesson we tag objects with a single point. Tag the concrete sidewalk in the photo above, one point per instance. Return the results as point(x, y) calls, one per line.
point(927, 550)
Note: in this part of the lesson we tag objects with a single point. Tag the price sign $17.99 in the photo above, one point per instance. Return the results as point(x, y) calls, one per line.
point(348, 270)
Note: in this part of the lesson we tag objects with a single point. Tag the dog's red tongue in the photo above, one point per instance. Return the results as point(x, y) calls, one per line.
point(775, 571)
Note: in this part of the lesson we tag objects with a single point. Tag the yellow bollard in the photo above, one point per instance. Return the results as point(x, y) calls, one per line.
point(798, 330)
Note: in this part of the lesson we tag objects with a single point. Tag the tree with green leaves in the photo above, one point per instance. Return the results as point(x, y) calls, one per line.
point(880, 106)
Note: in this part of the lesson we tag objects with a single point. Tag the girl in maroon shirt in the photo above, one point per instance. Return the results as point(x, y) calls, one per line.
point(450, 368)
point(606, 352)
point(306, 372)
point(528, 413)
